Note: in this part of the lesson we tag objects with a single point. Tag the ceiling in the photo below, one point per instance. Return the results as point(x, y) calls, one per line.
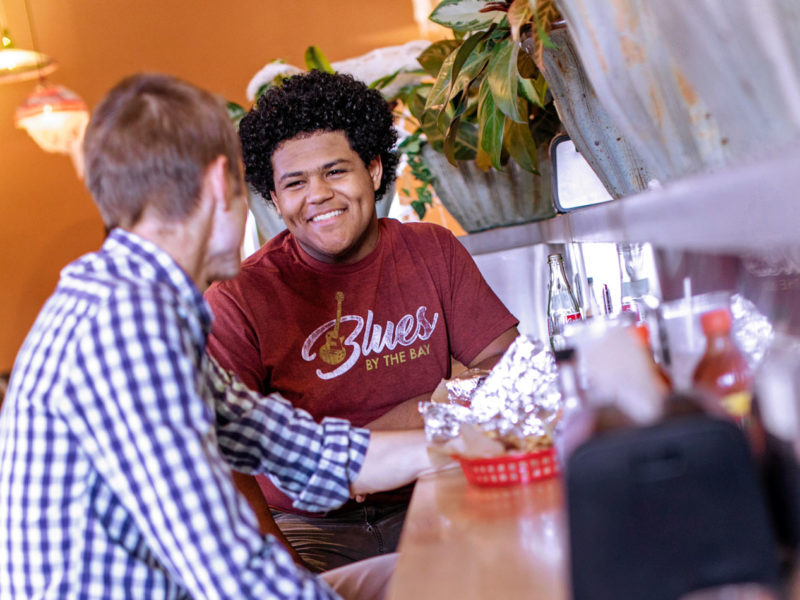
point(46, 216)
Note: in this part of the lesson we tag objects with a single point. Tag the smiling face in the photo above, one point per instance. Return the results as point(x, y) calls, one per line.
point(326, 196)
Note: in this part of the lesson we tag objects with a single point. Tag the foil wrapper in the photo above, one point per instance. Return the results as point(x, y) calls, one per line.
point(518, 399)
point(461, 388)
point(752, 331)
point(443, 421)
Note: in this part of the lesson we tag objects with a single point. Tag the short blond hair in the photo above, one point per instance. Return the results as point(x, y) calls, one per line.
point(149, 142)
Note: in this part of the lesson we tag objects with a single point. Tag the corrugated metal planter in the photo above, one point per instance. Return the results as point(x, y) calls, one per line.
point(481, 200)
point(638, 83)
point(743, 60)
point(693, 86)
point(616, 163)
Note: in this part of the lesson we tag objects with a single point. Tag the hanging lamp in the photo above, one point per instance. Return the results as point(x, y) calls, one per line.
point(18, 64)
point(54, 116)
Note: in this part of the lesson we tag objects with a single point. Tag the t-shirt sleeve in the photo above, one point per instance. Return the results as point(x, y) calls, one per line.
point(233, 341)
point(476, 315)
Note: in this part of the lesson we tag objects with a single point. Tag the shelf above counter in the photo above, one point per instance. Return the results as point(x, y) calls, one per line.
point(737, 209)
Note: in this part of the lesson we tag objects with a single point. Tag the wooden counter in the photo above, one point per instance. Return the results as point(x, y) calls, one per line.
point(463, 541)
point(472, 543)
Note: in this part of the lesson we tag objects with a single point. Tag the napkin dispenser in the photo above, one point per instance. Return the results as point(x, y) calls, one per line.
point(659, 511)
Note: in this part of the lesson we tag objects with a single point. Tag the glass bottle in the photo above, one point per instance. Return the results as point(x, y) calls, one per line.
point(593, 308)
point(633, 280)
point(642, 332)
point(561, 304)
point(577, 420)
point(608, 306)
point(723, 372)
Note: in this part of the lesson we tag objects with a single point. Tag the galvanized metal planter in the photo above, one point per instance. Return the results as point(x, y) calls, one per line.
point(617, 164)
point(693, 86)
point(481, 200)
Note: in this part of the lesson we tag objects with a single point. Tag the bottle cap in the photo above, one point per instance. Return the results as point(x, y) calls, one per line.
point(716, 321)
point(564, 354)
point(642, 333)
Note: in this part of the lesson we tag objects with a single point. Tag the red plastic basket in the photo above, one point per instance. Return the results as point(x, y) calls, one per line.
point(511, 469)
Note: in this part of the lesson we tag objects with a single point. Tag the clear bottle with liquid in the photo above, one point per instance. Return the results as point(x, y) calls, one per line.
point(593, 307)
point(561, 304)
point(633, 280)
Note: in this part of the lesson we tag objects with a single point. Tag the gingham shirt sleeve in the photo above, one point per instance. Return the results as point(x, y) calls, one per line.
point(138, 414)
point(312, 462)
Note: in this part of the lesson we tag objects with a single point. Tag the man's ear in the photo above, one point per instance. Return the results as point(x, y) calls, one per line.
point(216, 182)
point(375, 169)
point(275, 202)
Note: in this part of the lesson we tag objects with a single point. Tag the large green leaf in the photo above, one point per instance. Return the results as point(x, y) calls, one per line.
point(491, 125)
point(527, 91)
point(463, 102)
point(439, 94)
point(415, 99)
point(464, 15)
point(520, 145)
point(467, 51)
point(467, 66)
point(450, 140)
point(315, 59)
point(466, 141)
point(433, 56)
point(540, 84)
point(503, 77)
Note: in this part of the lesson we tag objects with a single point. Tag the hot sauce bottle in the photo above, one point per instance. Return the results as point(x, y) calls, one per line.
point(723, 372)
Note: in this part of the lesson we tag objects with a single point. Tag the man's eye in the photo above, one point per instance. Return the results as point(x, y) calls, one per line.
point(336, 171)
point(293, 184)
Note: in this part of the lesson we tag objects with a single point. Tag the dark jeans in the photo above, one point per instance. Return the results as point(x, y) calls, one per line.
point(328, 542)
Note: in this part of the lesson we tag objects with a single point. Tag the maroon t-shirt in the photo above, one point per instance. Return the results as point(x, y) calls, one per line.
point(353, 341)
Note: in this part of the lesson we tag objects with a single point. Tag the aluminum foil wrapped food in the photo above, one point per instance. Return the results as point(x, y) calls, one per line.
point(517, 403)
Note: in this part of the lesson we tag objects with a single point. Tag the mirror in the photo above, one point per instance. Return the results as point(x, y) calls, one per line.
point(575, 184)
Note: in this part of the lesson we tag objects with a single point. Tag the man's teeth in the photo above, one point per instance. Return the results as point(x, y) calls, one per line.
point(327, 215)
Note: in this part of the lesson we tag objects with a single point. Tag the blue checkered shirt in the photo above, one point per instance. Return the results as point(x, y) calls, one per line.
point(117, 437)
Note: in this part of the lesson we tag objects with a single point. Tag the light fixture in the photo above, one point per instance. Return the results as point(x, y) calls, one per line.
point(53, 116)
point(56, 119)
point(17, 64)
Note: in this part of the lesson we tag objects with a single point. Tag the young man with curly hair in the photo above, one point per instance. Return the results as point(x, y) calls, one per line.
point(346, 314)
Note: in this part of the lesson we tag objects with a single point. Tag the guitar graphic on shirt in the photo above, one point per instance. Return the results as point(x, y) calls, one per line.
point(332, 351)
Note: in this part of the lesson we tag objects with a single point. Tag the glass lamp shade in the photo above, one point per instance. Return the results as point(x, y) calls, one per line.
point(17, 64)
point(54, 117)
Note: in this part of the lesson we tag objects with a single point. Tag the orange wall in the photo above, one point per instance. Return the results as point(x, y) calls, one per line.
point(46, 216)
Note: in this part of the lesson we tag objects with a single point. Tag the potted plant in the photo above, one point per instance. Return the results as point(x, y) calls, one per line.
point(503, 86)
point(482, 122)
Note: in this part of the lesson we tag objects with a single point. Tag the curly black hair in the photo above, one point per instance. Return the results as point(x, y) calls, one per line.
point(312, 102)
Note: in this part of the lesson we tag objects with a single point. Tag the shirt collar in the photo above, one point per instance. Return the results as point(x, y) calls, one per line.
point(164, 267)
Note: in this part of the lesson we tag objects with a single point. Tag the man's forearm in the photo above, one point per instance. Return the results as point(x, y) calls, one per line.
point(394, 458)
